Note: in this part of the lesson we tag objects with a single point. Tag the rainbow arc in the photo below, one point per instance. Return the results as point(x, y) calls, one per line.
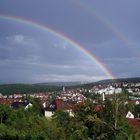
point(62, 36)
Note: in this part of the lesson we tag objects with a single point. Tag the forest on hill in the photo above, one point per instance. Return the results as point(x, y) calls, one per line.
point(108, 81)
point(7, 89)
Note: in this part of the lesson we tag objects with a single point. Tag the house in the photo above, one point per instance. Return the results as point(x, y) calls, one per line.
point(98, 108)
point(137, 102)
point(16, 105)
point(134, 122)
point(5, 101)
point(28, 106)
point(58, 104)
point(130, 115)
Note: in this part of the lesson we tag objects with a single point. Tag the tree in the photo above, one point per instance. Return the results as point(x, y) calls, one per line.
point(4, 112)
point(37, 107)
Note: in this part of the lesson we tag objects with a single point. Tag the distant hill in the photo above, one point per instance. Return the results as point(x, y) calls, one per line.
point(62, 83)
point(127, 80)
point(109, 81)
point(7, 89)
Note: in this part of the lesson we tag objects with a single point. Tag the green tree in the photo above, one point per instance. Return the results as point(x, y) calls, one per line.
point(37, 107)
point(4, 112)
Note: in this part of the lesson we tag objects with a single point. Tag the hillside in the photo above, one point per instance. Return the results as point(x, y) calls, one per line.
point(62, 83)
point(7, 89)
point(109, 81)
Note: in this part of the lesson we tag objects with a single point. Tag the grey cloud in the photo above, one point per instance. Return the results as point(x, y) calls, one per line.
point(124, 67)
point(28, 53)
point(78, 77)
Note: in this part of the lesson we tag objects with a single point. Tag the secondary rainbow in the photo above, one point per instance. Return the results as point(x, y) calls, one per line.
point(108, 24)
point(62, 36)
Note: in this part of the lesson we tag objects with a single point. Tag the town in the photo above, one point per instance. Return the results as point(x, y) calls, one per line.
point(112, 102)
point(68, 97)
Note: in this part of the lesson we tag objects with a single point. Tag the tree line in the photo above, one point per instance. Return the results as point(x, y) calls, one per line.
point(8, 89)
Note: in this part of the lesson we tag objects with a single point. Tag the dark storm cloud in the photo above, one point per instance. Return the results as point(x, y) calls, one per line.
point(63, 16)
point(124, 15)
point(112, 49)
point(30, 58)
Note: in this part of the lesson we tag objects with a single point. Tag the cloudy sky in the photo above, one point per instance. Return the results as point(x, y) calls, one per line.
point(108, 29)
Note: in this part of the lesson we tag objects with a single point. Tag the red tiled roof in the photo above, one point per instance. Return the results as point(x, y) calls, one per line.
point(98, 108)
point(134, 122)
point(8, 101)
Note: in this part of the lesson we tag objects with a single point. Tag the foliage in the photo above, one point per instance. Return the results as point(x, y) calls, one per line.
point(108, 123)
point(4, 113)
point(8, 89)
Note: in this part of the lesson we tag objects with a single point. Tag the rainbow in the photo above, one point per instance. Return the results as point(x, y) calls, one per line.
point(62, 36)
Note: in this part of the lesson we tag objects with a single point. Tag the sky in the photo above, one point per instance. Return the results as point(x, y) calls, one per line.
point(108, 30)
